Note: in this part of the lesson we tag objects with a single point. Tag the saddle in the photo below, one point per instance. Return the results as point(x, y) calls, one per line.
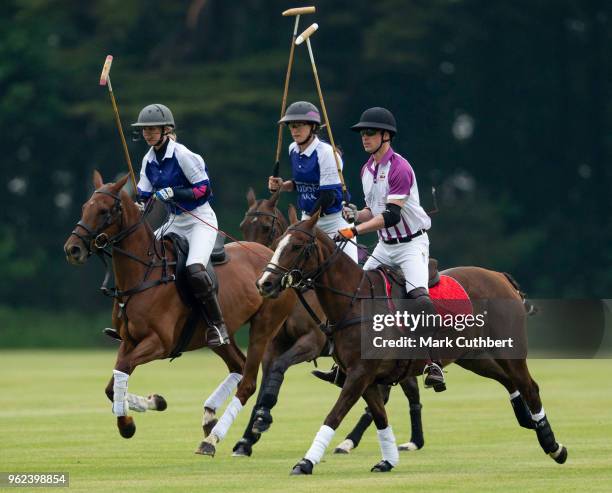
point(398, 282)
point(181, 250)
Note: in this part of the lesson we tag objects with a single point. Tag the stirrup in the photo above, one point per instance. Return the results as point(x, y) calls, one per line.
point(434, 381)
point(217, 341)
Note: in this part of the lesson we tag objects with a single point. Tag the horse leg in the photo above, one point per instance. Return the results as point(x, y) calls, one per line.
point(357, 380)
point(303, 349)
point(354, 437)
point(234, 360)
point(263, 327)
point(386, 439)
point(244, 446)
point(410, 386)
point(489, 368)
point(519, 374)
point(128, 358)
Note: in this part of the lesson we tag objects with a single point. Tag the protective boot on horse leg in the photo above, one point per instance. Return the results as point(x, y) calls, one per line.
point(203, 290)
point(434, 376)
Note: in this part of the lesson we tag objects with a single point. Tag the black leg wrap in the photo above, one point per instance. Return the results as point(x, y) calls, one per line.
point(263, 420)
point(362, 425)
point(546, 437)
point(271, 389)
point(243, 448)
point(416, 435)
point(521, 411)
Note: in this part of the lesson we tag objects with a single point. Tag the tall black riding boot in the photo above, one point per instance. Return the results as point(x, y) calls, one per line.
point(434, 376)
point(202, 288)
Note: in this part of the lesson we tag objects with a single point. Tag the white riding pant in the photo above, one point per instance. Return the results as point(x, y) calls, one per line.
point(201, 237)
point(412, 258)
point(330, 224)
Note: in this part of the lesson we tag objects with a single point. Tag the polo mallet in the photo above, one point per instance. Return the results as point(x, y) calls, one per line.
point(105, 81)
point(305, 36)
point(297, 12)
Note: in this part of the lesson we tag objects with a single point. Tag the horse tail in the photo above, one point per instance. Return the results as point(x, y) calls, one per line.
point(530, 308)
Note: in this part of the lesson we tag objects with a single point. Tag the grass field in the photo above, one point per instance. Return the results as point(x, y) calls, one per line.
point(55, 417)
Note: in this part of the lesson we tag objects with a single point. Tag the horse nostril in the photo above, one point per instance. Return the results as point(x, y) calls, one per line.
point(75, 251)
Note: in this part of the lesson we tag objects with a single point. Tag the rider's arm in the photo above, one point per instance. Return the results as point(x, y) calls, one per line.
point(325, 200)
point(390, 217)
point(194, 170)
point(364, 215)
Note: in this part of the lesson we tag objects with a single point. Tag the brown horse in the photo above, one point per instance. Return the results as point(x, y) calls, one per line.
point(154, 314)
point(300, 339)
point(305, 252)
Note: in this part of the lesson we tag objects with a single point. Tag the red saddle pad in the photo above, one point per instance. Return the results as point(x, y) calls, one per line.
point(449, 297)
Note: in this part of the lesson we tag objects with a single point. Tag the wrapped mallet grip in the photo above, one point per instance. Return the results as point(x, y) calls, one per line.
point(106, 70)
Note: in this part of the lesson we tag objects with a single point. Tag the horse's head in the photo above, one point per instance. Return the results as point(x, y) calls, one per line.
point(263, 222)
point(295, 259)
point(101, 219)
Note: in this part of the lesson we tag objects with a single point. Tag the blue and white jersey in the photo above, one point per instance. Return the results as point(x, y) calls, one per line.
point(313, 170)
point(179, 168)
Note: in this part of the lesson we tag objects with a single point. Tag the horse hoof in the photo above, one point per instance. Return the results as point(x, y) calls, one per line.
point(206, 448)
point(263, 420)
point(243, 448)
point(126, 426)
point(160, 402)
point(382, 466)
point(560, 456)
point(302, 468)
point(408, 447)
point(345, 447)
point(209, 426)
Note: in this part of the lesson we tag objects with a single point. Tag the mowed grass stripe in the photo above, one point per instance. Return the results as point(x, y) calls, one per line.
point(55, 417)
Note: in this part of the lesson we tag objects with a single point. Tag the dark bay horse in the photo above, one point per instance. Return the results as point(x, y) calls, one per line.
point(300, 339)
point(307, 253)
point(155, 313)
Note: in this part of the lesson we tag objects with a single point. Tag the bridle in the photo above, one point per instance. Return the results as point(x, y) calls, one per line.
point(272, 233)
point(105, 246)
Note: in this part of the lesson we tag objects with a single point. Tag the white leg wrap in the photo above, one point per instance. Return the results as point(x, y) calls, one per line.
point(538, 416)
point(319, 444)
point(514, 394)
point(221, 428)
point(223, 391)
point(120, 385)
point(388, 448)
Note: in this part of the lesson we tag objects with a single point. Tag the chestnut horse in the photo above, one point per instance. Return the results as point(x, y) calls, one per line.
point(305, 252)
point(111, 223)
point(300, 339)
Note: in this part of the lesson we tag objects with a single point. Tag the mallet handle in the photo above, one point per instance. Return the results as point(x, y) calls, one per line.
point(306, 34)
point(299, 11)
point(329, 129)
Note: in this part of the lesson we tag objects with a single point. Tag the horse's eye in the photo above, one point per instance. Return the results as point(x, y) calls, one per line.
point(103, 212)
point(265, 227)
point(295, 248)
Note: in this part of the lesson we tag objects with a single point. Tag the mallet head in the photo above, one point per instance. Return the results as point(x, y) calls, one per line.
point(299, 11)
point(306, 34)
point(106, 70)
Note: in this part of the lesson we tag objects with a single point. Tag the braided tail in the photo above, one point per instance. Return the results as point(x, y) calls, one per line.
point(530, 308)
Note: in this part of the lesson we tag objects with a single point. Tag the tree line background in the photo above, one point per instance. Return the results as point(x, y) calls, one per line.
point(503, 106)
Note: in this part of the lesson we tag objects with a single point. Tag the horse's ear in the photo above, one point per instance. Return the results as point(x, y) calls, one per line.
point(121, 183)
point(250, 196)
point(312, 222)
point(292, 213)
point(274, 198)
point(97, 179)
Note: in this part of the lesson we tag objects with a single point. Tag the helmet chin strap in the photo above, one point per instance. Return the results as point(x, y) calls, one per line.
point(311, 136)
point(382, 141)
point(162, 138)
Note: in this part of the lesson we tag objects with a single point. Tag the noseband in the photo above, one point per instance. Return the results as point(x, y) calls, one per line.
point(100, 239)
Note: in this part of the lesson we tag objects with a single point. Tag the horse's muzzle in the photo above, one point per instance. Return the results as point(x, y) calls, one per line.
point(75, 253)
point(267, 288)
